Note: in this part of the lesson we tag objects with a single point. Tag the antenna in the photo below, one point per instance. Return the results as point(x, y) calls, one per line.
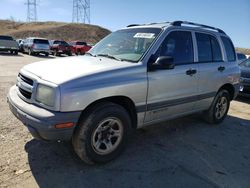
point(81, 11)
point(31, 11)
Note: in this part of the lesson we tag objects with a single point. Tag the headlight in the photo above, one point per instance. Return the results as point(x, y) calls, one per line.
point(45, 95)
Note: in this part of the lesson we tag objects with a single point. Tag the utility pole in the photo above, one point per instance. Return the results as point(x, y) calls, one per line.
point(81, 11)
point(31, 11)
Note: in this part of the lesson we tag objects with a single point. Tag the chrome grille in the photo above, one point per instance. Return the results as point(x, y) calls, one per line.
point(26, 79)
point(25, 86)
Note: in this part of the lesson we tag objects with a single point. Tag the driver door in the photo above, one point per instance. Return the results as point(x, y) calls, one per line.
point(173, 92)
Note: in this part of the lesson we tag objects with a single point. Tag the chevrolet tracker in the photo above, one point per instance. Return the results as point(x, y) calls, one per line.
point(136, 76)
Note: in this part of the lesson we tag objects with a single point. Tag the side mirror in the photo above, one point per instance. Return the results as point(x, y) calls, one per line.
point(163, 62)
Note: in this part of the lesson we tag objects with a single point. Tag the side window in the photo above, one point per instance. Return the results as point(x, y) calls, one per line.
point(229, 48)
point(179, 45)
point(216, 51)
point(208, 48)
point(204, 47)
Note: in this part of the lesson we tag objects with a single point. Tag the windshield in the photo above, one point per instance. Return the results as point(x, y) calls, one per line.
point(126, 44)
point(245, 63)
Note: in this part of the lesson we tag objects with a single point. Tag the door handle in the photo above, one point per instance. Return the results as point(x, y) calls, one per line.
point(221, 68)
point(191, 72)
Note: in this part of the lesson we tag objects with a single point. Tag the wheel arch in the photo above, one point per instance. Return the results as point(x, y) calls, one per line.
point(123, 101)
point(230, 89)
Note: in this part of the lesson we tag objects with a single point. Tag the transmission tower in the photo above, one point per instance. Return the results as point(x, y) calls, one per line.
point(81, 11)
point(31, 11)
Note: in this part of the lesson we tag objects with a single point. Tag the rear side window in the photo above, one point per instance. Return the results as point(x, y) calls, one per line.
point(179, 45)
point(208, 48)
point(229, 48)
point(216, 51)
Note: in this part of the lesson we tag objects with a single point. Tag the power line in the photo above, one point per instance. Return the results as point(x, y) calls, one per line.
point(81, 11)
point(31, 11)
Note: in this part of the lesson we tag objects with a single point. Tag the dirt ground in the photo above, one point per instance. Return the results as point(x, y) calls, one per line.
point(182, 153)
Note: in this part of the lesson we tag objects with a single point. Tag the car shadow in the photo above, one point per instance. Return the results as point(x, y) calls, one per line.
point(243, 99)
point(44, 57)
point(185, 153)
point(9, 54)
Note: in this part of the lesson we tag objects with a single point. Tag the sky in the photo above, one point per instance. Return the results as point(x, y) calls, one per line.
point(233, 16)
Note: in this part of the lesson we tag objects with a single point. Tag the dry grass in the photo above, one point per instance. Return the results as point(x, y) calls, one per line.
point(53, 30)
point(243, 50)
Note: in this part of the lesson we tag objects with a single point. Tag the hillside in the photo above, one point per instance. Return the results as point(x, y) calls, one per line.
point(53, 30)
point(243, 50)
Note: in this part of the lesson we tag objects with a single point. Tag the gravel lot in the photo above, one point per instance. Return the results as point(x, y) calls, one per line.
point(182, 153)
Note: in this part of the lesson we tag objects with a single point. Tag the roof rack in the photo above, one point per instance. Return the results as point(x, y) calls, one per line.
point(179, 23)
point(132, 25)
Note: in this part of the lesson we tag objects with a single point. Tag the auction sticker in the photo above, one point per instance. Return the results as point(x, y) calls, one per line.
point(144, 35)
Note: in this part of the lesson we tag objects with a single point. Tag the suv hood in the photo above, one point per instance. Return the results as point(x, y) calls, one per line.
point(61, 70)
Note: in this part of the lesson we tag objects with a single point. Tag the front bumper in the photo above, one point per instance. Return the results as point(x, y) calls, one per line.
point(41, 122)
point(245, 87)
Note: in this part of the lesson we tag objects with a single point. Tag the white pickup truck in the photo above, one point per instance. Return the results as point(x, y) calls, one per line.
point(8, 44)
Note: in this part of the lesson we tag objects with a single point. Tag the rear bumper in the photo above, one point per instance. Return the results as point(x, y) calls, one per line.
point(40, 51)
point(39, 121)
point(8, 49)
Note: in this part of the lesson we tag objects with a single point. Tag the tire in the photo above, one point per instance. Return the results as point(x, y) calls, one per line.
point(46, 54)
point(78, 52)
point(69, 54)
point(219, 108)
point(30, 52)
point(94, 134)
point(16, 52)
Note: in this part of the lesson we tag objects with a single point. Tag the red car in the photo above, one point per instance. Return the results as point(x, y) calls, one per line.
point(59, 47)
point(79, 47)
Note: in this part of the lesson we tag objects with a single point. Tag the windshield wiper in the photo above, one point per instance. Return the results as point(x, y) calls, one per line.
point(109, 56)
point(88, 53)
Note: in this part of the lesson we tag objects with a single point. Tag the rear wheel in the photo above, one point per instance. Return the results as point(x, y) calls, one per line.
point(30, 52)
point(219, 108)
point(78, 52)
point(102, 134)
point(16, 52)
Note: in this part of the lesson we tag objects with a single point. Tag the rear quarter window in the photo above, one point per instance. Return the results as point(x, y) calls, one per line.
point(229, 48)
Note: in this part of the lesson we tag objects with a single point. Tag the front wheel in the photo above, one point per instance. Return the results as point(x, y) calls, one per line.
point(219, 108)
point(102, 134)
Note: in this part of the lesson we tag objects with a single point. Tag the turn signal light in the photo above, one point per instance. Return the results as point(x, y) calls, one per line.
point(64, 125)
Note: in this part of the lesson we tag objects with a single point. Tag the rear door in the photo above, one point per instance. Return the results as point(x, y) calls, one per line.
point(173, 92)
point(211, 68)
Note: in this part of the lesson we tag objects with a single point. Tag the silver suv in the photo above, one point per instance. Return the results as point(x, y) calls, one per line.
point(136, 76)
point(36, 46)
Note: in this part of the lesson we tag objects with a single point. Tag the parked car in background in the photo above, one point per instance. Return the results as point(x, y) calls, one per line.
point(241, 57)
point(20, 44)
point(36, 46)
point(8, 44)
point(79, 47)
point(58, 47)
point(245, 78)
point(137, 76)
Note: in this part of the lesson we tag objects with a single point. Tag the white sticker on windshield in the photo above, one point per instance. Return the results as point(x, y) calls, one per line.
point(144, 35)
